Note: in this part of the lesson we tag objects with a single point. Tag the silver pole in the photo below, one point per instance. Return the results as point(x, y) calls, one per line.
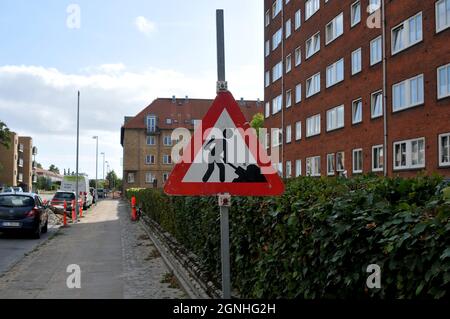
point(225, 248)
point(96, 171)
point(220, 46)
point(77, 207)
point(385, 119)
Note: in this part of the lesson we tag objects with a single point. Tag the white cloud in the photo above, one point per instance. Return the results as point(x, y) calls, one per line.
point(41, 102)
point(144, 25)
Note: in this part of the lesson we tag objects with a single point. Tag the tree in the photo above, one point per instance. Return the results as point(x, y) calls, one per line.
point(5, 135)
point(257, 122)
point(53, 169)
point(112, 180)
point(39, 165)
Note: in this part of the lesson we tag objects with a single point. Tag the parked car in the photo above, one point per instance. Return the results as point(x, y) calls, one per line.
point(23, 212)
point(101, 193)
point(8, 190)
point(69, 184)
point(57, 202)
point(18, 189)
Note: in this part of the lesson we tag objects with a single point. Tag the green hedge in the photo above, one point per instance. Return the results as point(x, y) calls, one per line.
point(317, 240)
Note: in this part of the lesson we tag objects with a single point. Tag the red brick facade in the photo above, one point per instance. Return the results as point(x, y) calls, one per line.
point(427, 120)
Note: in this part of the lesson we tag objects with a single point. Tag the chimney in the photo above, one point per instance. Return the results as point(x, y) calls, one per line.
point(186, 99)
point(174, 99)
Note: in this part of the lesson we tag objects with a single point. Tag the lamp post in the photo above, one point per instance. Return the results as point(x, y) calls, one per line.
point(103, 153)
point(96, 168)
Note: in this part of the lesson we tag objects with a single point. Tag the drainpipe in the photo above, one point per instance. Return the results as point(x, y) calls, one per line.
point(385, 128)
point(283, 63)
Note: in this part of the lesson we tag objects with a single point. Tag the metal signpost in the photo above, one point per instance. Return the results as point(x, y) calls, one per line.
point(223, 175)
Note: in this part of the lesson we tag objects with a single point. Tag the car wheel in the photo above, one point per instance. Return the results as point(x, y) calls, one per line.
point(45, 228)
point(37, 233)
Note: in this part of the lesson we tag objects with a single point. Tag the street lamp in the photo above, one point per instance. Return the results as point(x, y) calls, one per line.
point(96, 168)
point(103, 153)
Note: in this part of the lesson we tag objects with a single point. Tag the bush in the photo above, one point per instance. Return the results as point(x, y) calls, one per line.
point(317, 240)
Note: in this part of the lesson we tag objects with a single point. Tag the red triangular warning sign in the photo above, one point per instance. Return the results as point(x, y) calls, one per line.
point(224, 156)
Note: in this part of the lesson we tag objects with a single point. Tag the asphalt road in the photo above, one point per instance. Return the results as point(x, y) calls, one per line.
point(117, 260)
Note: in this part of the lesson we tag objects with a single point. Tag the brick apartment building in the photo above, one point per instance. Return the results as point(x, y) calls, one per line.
point(328, 70)
point(17, 163)
point(146, 138)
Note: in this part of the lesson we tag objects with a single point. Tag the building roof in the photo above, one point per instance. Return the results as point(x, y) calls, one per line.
point(183, 111)
point(46, 173)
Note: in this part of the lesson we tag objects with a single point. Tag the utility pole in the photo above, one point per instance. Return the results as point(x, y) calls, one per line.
point(103, 153)
point(78, 153)
point(96, 169)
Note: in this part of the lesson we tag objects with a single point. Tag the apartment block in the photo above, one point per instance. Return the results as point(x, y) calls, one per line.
point(17, 163)
point(356, 87)
point(147, 137)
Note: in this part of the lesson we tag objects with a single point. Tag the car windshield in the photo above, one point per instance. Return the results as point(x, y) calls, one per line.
point(16, 201)
point(63, 196)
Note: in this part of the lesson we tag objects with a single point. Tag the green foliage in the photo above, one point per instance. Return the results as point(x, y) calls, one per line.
point(5, 135)
point(53, 169)
point(257, 122)
point(317, 240)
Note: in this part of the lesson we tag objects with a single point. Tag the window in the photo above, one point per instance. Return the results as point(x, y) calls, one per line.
point(288, 31)
point(150, 159)
point(340, 161)
point(443, 81)
point(276, 8)
point(165, 177)
point(130, 178)
point(298, 93)
point(267, 109)
point(267, 18)
point(267, 48)
point(151, 140)
point(356, 61)
point(298, 19)
point(444, 150)
point(288, 134)
point(167, 159)
point(311, 7)
point(374, 5)
point(267, 141)
point(313, 166)
point(20, 162)
point(313, 45)
point(335, 118)
point(375, 51)
point(276, 39)
point(298, 56)
point(313, 125)
point(288, 98)
point(409, 154)
point(168, 121)
point(149, 178)
point(151, 124)
point(330, 164)
point(442, 15)
point(407, 34)
point(358, 161)
point(377, 104)
point(357, 111)
point(277, 104)
point(277, 71)
point(267, 79)
point(276, 137)
point(408, 93)
point(335, 73)
point(288, 169)
point(313, 85)
point(377, 158)
point(288, 63)
point(298, 131)
point(355, 13)
point(334, 29)
point(167, 140)
point(298, 168)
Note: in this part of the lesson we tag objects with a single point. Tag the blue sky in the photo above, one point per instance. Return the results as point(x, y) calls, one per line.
point(124, 55)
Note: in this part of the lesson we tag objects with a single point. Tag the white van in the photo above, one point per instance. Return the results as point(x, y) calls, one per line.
point(69, 184)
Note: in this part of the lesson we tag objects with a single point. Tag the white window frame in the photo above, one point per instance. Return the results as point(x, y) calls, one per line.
point(406, 33)
point(354, 103)
point(340, 166)
point(151, 179)
point(332, 75)
point(336, 29)
point(441, 162)
point(352, 15)
point(372, 104)
point(277, 38)
point(298, 93)
point(267, 48)
point(288, 28)
point(298, 56)
point(267, 78)
point(298, 19)
point(267, 18)
point(298, 168)
point(331, 162)
point(313, 166)
point(379, 56)
point(357, 170)
point(315, 82)
point(408, 93)
point(288, 98)
point(333, 118)
point(130, 178)
point(288, 134)
point(151, 138)
point(357, 61)
point(312, 9)
point(446, 25)
point(298, 131)
point(375, 4)
point(152, 160)
point(277, 104)
point(277, 71)
point(313, 120)
point(442, 95)
point(267, 109)
point(288, 63)
point(408, 154)
point(288, 169)
point(151, 123)
point(276, 8)
point(380, 159)
point(167, 160)
point(314, 43)
point(168, 140)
